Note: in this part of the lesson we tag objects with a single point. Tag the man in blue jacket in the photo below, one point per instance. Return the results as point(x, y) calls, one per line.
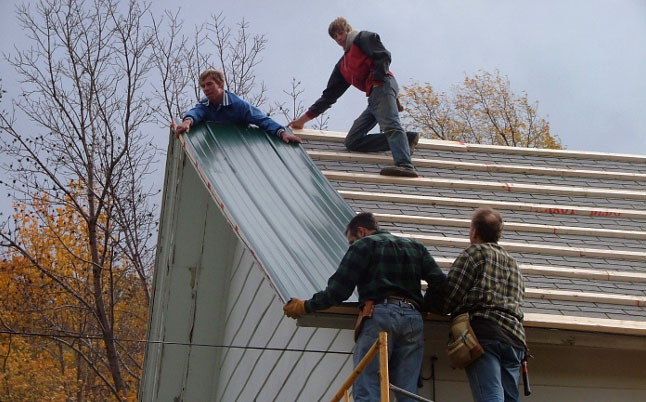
point(222, 106)
point(365, 64)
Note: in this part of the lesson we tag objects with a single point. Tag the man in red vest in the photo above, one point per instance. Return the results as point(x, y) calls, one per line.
point(365, 65)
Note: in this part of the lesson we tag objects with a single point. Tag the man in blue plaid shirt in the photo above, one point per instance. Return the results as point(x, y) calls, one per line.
point(386, 270)
point(485, 282)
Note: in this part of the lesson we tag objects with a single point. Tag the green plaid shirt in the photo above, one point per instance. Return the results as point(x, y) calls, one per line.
point(485, 282)
point(380, 265)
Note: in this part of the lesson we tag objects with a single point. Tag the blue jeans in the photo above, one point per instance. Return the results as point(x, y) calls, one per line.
point(382, 109)
point(495, 375)
point(404, 326)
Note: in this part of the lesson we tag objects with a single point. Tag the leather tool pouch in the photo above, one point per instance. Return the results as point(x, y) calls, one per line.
point(463, 347)
point(366, 312)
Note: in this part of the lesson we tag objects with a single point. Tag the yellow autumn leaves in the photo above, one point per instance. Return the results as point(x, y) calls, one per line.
point(482, 110)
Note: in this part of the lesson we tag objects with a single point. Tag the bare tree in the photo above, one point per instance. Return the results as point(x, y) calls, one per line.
point(78, 147)
point(296, 107)
point(171, 55)
point(180, 58)
point(238, 55)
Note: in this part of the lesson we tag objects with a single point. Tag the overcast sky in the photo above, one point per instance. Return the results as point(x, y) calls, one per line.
point(583, 61)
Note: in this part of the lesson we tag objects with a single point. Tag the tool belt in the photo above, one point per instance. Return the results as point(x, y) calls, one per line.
point(368, 308)
point(365, 312)
point(463, 347)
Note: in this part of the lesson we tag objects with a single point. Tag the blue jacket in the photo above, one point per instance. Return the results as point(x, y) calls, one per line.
point(233, 110)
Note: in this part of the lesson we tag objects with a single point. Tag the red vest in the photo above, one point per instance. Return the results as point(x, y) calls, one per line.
point(357, 69)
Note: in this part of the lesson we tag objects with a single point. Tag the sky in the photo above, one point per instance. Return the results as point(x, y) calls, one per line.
point(583, 61)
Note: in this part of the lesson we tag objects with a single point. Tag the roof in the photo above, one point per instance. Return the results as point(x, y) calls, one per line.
point(574, 220)
point(277, 201)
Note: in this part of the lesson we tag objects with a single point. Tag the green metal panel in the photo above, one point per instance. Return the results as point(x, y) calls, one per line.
point(277, 201)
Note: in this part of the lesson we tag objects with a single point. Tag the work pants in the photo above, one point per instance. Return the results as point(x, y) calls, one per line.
point(382, 109)
point(404, 326)
point(494, 376)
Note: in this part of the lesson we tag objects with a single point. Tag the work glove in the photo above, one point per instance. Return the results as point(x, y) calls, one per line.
point(294, 308)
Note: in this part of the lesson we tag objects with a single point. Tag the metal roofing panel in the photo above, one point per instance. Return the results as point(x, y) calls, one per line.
point(277, 201)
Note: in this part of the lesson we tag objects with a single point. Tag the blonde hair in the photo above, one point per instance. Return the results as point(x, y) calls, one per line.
point(217, 75)
point(338, 25)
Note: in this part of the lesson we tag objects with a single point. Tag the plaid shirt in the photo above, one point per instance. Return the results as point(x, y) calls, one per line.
point(380, 265)
point(485, 282)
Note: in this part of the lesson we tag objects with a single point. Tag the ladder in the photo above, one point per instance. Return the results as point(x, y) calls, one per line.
point(381, 346)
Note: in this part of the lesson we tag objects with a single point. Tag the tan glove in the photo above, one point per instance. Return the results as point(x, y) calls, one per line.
point(295, 308)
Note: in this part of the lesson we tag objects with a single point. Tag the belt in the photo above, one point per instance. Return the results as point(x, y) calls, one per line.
point(399, 301)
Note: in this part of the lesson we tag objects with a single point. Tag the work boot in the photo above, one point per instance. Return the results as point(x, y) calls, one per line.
point(413, 140)
point(402, 171)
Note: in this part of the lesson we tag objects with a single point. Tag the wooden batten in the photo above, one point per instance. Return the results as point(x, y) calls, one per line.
point(568, 295)
point(605, 325)
point(550, 249)
point(519, 227)
point(502, 205)
point(610, 275)
point(484, 185)
point(480, 167)
point(455, 146)
point(594, 297)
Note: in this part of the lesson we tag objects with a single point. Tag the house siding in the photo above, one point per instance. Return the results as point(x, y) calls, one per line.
point(189, 279)
point(255, 320)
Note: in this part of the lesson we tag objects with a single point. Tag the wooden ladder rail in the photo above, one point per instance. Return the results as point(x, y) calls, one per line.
point(381, 346)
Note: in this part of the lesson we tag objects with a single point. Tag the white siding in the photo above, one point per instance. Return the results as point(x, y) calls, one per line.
point(255, 319)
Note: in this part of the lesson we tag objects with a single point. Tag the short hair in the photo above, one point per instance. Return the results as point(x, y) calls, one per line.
point(488, 224)
point(217, 75)
point(338, 25)
point(363, 219)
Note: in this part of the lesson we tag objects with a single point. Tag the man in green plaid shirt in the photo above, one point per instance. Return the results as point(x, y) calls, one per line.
point(485, 282)
point(388, 271)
